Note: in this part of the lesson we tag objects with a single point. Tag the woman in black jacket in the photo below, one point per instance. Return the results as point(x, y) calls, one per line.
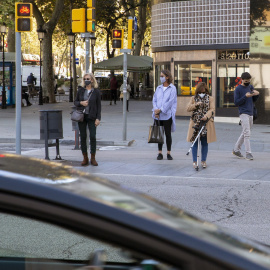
point(88, 99)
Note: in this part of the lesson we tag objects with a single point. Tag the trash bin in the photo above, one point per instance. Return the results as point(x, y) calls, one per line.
point(51, 127)
point(51, 122)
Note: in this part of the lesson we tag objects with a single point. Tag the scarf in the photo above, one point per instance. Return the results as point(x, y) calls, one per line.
point(198, 113)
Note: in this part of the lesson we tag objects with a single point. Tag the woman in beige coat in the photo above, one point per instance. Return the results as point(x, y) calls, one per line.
point(202, 108)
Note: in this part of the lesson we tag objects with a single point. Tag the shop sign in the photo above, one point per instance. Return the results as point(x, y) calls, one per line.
point(233, 55)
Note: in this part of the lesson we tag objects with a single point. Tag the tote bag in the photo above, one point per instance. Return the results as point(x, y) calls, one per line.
point(156, 133)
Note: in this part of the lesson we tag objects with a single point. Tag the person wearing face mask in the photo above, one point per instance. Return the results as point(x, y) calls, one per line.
point(164, 109)
point(244, 98)
point(88, 99)
point(202, 108)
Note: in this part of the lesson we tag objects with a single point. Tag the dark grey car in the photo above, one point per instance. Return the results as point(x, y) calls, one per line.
point(53, 217)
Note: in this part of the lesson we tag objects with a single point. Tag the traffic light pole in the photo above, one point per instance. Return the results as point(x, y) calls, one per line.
point(125, 51)
point(18, 93)
point(87, 36)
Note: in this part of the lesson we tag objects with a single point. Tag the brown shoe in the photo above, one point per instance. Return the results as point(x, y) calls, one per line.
point(204, 164)
point(85, 160)
point(93, 160)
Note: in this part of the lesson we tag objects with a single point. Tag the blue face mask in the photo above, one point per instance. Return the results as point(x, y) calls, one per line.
point(162, 79)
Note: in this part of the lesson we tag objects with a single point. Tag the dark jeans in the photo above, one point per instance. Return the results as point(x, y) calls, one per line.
point(167, 128)
point(92, 131)
point(113, 95)
point(204, 149)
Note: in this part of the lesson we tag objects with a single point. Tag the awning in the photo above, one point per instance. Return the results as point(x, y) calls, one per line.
point(134, 63)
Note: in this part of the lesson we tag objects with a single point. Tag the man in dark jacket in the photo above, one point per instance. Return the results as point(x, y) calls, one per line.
point(31, 82)
point(244, 98)
point(113, 88)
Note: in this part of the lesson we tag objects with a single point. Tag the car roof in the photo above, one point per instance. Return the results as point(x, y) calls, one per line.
point(55, 182)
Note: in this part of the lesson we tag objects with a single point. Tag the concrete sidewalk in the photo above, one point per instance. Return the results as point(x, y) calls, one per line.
point(139, 158)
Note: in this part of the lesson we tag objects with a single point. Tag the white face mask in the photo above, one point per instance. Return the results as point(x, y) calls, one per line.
point(201, 95)
point(162, 79)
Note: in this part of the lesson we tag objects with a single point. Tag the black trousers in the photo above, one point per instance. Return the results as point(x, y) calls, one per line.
point(92, 133)
point(113, 95)
point(168, 133)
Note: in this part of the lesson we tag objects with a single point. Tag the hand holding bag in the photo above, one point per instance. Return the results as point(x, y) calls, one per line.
point(78, 115)
point(156, 133)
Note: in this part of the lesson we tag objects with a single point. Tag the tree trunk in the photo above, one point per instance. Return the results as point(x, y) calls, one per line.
point(11, 37)
point(47, 73)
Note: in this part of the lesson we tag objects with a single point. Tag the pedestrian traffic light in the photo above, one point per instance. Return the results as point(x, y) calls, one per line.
point(130, 33)
point(117, 38)
point(78, 20)
point(23, 17)
point(91, 15)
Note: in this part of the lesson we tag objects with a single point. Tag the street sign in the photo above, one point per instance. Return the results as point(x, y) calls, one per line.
point(135, 24)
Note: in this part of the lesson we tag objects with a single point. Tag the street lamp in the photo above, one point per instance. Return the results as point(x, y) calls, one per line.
point(3, 30)
point(93, 43)
point(71, 39)
point(41, 34)
point(146, 48)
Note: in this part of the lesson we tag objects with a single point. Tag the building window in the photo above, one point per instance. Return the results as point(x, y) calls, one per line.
point(228, 77)
point(188, 75)
point(158, 69)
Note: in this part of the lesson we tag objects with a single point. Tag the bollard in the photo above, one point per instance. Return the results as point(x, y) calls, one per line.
point(75, 127)
point(51, 127)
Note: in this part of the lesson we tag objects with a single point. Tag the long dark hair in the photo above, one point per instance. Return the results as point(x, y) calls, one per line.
point(199, 87)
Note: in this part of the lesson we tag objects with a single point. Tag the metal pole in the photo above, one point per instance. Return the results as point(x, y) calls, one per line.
point(40, 83)
point(70, 75)
point(4, 97)
point(87, 54)
point(18, 93)
point(125, 51)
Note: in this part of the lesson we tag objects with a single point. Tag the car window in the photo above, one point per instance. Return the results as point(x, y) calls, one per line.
point(34, 243)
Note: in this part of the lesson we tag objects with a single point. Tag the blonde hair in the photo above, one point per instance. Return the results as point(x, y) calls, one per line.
point(92, 77)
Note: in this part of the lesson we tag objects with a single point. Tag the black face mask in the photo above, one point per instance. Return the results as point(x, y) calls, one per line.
point(247, 83)
point(87, 82)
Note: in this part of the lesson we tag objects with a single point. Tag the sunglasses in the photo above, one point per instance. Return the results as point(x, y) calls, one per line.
point(86, 79)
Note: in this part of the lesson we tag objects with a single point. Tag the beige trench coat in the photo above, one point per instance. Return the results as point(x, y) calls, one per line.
point(210, 126)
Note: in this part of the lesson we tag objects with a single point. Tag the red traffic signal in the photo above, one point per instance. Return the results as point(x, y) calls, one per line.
point(117, 34)
point(23, 10)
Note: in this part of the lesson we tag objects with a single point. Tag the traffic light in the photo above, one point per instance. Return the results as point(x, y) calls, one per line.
point(117, 38)
point(91, 15)
point(130, 33)
point(78, 20)
point(23, 17)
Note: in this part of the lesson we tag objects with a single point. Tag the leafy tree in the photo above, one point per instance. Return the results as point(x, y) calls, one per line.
point(258, 12)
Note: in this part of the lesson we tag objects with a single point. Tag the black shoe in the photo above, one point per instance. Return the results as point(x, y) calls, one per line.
point(169, 157)
point(29, 104)
point(159, 157)
point(110, 103)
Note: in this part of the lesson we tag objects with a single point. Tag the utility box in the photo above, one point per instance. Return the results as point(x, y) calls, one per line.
point(51, 123)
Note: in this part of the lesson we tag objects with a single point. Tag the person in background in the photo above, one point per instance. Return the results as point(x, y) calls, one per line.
point(26, 97)
point(31, 82)
point(113, 88)
point(128, 92)
point(88, 99)
point(164, 109)
point(202, 107)
point(244, 98)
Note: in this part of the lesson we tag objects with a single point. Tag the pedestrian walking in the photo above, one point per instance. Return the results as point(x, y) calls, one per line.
point(88, 99)
point(244, 97)
point(164, 109)
point(128, 92)
point(202, 107)
point(113, 88)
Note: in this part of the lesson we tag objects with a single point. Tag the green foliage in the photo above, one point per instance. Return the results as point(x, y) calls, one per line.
point(258, 11)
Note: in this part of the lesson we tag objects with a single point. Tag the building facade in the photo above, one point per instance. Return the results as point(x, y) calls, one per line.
point(202, 40)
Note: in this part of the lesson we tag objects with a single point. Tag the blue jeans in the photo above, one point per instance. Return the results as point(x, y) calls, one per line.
point(204, 147)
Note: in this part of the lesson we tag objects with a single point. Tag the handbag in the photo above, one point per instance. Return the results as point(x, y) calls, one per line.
point(255, 113)
point(156, 133)
point(78, 115)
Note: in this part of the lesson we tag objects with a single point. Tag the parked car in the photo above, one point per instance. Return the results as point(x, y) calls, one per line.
point(54, 217)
